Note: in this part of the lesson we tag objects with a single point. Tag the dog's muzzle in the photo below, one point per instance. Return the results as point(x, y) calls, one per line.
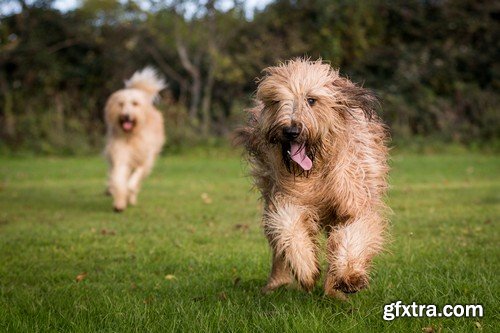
point(126, 122)
point(293, 149)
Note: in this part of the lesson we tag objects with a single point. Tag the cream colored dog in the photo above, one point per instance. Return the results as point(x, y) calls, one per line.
point(135, 135)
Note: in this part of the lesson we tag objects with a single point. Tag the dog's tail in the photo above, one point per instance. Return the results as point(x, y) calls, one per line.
point(147, 80)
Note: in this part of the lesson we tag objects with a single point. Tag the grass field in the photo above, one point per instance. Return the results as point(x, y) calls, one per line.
point(191, 257)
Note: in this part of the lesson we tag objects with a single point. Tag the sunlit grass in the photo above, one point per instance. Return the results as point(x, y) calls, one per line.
point(192, 257)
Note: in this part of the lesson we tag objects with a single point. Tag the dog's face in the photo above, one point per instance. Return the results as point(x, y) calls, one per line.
point(306, 103)
point(125, 109)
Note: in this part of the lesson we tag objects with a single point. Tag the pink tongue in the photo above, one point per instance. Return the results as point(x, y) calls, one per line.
point(298, 154)
point(127, 126)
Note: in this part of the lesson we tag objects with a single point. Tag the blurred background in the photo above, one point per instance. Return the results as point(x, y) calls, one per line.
point(434, 64)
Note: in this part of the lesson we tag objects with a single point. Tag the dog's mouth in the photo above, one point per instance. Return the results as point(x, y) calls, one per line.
point(298, 153)
point(127, 123)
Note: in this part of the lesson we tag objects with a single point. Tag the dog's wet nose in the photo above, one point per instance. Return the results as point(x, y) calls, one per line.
point(125, 117)
point(291, 132)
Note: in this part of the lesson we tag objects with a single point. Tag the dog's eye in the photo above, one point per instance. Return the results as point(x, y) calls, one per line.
point(311, 101)
point(134, 103)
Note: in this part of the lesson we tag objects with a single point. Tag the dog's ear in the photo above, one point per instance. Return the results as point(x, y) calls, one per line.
point(109, 108)
point(353, 96)
point(246, 136)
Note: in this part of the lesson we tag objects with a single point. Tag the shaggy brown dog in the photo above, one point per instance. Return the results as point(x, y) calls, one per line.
point(318, 156)
point(135, 135)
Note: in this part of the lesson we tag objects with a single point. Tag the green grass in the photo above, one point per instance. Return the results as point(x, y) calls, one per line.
point(55, 224)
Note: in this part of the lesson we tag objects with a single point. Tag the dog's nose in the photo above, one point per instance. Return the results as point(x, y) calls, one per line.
point(125, 117)
point(291, 132)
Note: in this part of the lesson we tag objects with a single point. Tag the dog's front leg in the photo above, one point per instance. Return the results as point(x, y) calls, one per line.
point(118, 186)
point(134, 184)
point(136, 178)
point(350, 250)
point(291, 231)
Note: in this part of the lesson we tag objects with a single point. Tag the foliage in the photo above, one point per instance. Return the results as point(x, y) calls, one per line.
point(433, 64)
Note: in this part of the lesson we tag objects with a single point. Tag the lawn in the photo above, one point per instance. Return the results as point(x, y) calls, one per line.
point(191, 257)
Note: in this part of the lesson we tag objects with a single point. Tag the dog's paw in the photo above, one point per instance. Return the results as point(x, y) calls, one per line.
point(119, 204)
point(275, 284)
point(266, 290)
point(119, 208)
point(337, 294)
point(132, 199)
point(349, 283)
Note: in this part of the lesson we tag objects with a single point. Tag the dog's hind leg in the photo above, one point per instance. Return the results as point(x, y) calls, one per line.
point(280, 274)
point(291, 231)
point(350, 250)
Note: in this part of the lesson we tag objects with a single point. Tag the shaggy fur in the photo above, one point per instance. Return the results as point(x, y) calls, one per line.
point(318, 156)
point(135, 135)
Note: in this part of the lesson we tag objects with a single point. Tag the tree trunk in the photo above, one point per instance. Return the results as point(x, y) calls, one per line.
point(170, 72)
point(194, 72)
point(212, 61)
point(9, 126)
point(207, 101)
point(59, 116)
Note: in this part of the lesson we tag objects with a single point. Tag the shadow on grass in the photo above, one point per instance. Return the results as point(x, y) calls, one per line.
point(247, 294)
point(55, 200)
